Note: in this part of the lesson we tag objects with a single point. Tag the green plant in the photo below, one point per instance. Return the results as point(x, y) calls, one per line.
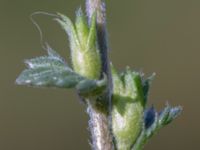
point(116, 103)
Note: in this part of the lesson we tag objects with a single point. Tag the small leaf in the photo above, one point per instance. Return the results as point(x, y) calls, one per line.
point(169, 114)
point(69, 28)
point(82, 27)
point(165, 117)
point(48, 71)
point(49, 77)
point(53, 71)
point(92, 39)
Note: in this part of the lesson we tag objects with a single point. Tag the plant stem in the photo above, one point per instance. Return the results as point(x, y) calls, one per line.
point(99, 123)
point(100, 130)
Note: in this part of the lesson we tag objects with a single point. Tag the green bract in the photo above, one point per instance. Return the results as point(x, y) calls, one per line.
point(133, 124)
point(83, 43)
point(53, 71)
point(128, 106)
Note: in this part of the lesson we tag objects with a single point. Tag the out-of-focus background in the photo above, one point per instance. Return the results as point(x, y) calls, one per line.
point(161, 36)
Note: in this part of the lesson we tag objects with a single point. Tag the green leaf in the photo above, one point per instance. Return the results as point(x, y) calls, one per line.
point(53, 71)
point(48, 71)
point(92, 37)
point(48, 77)
point(82, 27)
point(167, 115)
point(69, 28)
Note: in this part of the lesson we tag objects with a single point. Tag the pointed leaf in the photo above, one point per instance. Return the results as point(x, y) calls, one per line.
point(172, 114)
point(69, 28)
point(91, 42)
point(49, 77)
point(165, 117)
point(53, 71)
point(82, 27)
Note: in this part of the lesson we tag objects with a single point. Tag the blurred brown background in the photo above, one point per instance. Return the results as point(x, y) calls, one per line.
point(161, 36)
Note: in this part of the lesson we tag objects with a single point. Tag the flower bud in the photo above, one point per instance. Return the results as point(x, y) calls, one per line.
point(128, 106)
point(83, 44)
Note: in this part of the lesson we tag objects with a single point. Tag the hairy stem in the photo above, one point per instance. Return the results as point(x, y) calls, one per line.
point(100, 130)
point(100, 120)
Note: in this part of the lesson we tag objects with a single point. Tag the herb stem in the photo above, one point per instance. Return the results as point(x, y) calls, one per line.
point(100, 121)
